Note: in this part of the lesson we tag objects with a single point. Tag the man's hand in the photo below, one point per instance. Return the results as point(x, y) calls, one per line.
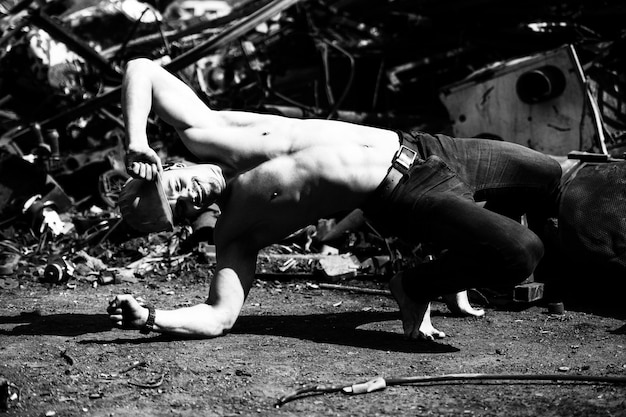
point(143, 162)
point(126, 313)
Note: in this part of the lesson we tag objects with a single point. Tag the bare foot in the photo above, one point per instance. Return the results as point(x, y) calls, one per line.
point(458, 304)
point(415, 316)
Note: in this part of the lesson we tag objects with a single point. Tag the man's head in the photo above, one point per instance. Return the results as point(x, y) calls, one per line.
point(181, 193)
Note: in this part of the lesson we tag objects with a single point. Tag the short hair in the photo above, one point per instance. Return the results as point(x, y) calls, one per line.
point(145, 207)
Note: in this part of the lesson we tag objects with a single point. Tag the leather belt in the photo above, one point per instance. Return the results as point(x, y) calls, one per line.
point(402, 162)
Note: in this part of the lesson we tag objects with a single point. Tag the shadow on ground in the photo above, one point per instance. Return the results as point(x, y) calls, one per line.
point(69, 324)
point(339, 329)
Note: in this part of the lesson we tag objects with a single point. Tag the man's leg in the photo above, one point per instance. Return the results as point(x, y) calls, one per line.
point(484, 248)
point(436, 203)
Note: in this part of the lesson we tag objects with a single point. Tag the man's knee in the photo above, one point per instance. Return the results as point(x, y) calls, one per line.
point(524, 256)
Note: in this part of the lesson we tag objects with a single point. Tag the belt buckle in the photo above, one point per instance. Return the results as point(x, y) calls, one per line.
point(405, 158)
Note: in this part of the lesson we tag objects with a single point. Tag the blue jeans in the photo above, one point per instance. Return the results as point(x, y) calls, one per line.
point(435, 203)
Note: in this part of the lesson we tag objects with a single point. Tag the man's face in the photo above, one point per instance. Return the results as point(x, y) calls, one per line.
point(192, 189)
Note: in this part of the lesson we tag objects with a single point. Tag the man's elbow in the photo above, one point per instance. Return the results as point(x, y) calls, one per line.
point(221, 328)
point(217, 324)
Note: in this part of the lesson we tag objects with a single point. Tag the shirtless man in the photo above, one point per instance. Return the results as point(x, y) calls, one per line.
point(272, 175)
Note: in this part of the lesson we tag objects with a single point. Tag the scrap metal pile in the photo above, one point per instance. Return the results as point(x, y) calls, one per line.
point(386, 63)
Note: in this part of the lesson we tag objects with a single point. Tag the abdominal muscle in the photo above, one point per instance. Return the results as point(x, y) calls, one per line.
point(325, 178)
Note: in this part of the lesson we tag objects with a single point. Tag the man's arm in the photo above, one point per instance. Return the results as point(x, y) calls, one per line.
point(215, 317)
point(235, 140)
point(146, 87)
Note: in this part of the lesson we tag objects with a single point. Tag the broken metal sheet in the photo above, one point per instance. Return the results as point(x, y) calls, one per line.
point(490, 103)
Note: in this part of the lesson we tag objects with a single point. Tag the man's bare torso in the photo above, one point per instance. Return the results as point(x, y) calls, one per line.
point(285, 173)
point(286, 193)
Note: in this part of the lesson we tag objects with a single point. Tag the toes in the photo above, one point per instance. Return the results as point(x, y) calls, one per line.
point(431, 335)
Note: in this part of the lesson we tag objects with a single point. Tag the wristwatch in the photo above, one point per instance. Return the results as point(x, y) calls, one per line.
point(149, 326)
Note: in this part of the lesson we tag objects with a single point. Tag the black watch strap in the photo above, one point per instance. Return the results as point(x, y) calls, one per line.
point(149, 326)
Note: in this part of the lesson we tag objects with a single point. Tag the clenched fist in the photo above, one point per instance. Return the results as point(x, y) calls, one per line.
point(126, 313)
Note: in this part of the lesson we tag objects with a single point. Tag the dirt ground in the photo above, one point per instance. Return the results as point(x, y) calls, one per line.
point(58, 348)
